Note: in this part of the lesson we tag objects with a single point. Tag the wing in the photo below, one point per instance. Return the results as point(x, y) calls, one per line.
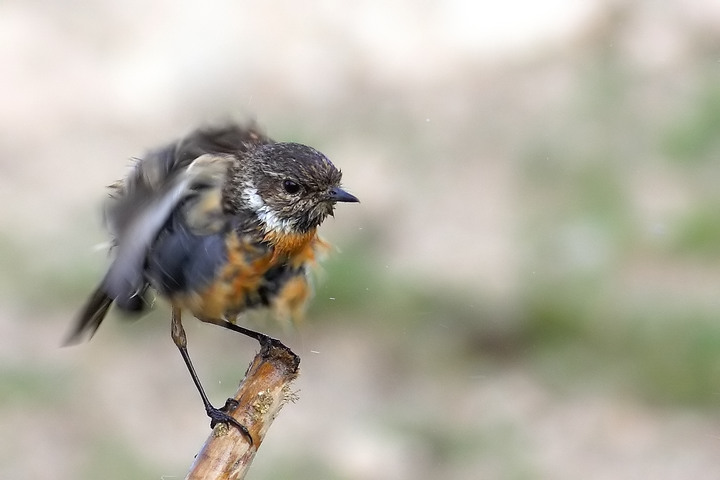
point(194, 167)
point(152, 210)
point(191, 171)
point(202, 180)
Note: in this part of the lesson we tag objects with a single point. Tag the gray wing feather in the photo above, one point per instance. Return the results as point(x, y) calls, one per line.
point(142, 204)
point(152, 209)
point(169, 181)
point(125, 277)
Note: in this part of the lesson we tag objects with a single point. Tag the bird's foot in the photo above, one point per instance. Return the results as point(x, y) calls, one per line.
point(221, 415)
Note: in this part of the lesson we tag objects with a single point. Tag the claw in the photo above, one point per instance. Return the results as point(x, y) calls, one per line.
point(220, 415)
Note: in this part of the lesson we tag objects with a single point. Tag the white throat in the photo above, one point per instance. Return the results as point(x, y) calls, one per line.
point(268, 217)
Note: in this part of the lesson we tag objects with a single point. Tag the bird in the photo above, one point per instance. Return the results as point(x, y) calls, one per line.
point(219, 222)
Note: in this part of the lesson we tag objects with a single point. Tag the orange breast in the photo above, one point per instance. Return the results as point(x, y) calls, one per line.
point(296, 249)
point(238, 282)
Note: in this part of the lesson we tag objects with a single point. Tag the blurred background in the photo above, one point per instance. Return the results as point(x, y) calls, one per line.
point(528, 290)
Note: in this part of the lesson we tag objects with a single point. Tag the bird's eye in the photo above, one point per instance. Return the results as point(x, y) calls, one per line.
point(291, 187)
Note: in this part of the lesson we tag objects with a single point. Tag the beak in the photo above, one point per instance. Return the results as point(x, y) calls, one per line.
point(337, 194)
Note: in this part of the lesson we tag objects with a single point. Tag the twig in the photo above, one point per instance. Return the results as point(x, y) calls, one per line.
point(227, 453)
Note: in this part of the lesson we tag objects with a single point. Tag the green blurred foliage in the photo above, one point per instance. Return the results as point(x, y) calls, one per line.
point(697, 233)
point(114, 459)
point(692, 136)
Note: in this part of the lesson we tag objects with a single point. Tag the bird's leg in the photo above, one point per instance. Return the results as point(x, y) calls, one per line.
point(264, 340)
point(217, 415)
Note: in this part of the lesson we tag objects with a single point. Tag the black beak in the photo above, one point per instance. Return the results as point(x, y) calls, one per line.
point(337, 194)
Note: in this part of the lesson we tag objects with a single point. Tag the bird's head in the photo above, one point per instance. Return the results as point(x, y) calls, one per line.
point(291, 187)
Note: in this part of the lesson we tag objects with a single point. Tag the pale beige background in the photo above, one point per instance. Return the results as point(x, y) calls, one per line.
point(518, 296)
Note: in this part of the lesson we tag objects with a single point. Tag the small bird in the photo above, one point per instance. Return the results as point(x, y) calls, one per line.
point(219, 222)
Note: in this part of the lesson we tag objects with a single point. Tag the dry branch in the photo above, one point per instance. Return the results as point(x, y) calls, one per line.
point(227, 453)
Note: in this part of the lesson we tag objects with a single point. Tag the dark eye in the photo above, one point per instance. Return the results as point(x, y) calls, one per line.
point(291, 187)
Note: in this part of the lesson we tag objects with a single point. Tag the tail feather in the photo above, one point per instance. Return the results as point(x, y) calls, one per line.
point(90, 318)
